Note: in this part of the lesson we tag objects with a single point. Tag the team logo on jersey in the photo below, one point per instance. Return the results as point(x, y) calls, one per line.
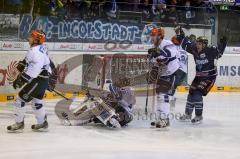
point(202, 55)
point(12, 72)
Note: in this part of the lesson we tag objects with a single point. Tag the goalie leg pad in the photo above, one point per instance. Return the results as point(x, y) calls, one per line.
point(104, 113)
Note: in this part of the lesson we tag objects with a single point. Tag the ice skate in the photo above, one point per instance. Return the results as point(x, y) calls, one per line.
point(17, 127)
point(162, 123)
point(197, 120)
point(40, 127)
point(185, 118)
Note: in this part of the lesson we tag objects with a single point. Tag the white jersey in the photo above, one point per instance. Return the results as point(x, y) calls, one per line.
point(183, 58)
point(169, 55)
point(128, 95)
point(37, 60)
point(128, 98)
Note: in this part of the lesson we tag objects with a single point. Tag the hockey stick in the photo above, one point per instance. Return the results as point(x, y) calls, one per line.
point(146, 104)
point(60, 94)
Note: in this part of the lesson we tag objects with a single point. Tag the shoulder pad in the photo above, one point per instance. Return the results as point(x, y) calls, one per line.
point(166, 43)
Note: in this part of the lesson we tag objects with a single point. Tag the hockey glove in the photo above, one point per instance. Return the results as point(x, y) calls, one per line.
point(21, 65)
point(223, 40)
point(153, 52)
point(52, 80)
point(21, 80)
point(152, 75)
point(115, 92)
point(180, 33)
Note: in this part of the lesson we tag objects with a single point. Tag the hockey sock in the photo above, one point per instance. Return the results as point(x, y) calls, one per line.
point(163, 106)
point(189, 106)
point(19, 110)
point(39, 111)
point(198, 108)
point(198, 103)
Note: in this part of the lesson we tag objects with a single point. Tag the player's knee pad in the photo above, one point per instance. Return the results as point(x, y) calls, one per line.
point(195, 96)
point(19, 103)
point(124, 116)
point(19, 110)
point(163, 98)
point(37, 104)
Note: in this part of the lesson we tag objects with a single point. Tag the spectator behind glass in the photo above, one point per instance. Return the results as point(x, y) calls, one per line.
point(158, 6)
point(172, 12)
point(189, 13)
point(113, 9)
point(145, 6)
point(77, 8)
point(58, 8)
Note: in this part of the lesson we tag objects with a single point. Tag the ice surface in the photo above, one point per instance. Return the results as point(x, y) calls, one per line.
point(218, 137)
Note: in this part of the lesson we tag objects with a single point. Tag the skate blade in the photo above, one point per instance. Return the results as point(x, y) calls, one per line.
point(40, 130)
point(163, 129)
point(15, 131)
point(185, 121)
point(197, 123)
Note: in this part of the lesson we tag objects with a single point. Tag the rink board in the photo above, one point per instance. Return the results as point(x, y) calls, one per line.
point(71, 70)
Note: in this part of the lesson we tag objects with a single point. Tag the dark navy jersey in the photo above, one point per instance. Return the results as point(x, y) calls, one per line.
point(205, 59)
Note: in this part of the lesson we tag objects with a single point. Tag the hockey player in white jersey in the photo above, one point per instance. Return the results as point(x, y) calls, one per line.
point(163, 55)
point(181, 73)
point(33, 77)
point(183, 61)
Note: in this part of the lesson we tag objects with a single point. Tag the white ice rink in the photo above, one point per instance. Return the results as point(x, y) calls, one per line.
point(218, 137)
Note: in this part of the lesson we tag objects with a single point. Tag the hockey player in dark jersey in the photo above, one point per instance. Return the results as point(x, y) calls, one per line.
point(205, 58)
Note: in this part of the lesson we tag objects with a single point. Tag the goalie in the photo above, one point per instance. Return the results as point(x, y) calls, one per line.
point(113, 108)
